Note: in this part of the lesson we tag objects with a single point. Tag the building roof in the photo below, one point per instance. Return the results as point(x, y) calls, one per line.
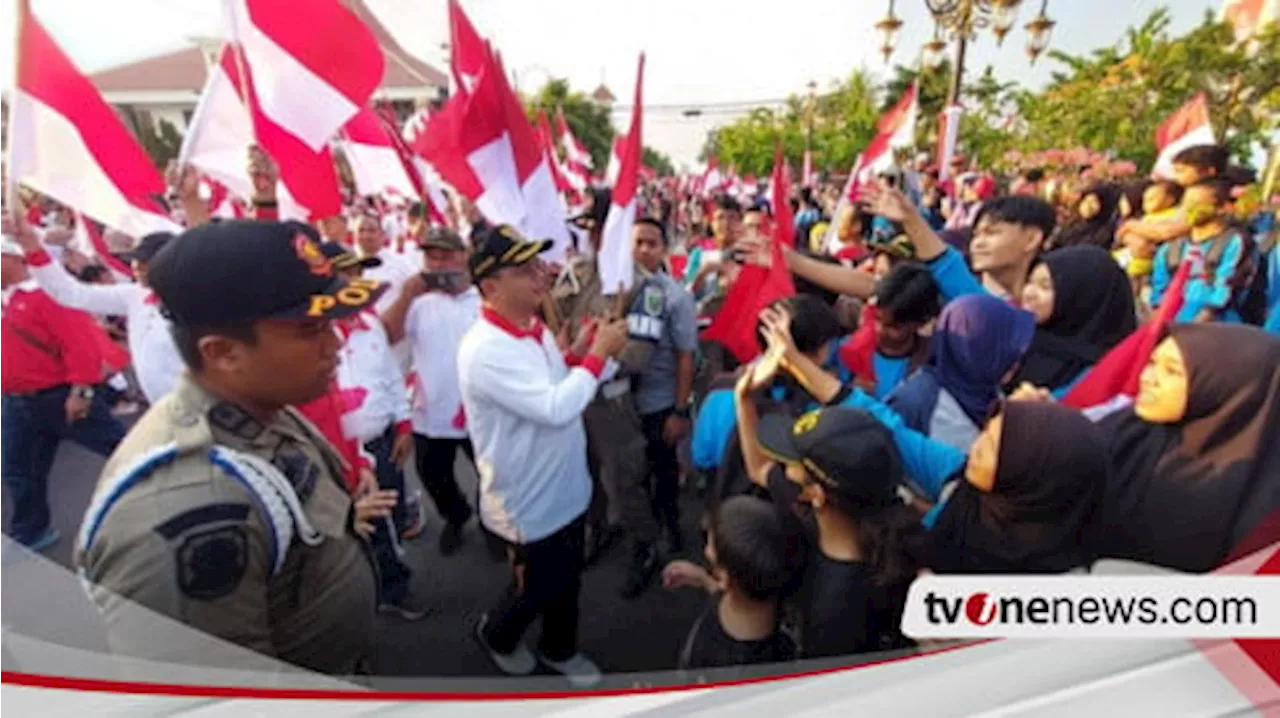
point(184, 70)
point(603, 95)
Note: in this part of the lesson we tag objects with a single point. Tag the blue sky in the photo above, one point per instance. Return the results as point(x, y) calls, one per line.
point(699, 51)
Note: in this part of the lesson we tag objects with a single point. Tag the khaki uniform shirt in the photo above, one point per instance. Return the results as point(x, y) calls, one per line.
point(189, 537)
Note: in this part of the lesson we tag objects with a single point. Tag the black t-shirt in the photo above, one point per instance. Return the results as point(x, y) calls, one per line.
point(840, 609)
point(709, 646)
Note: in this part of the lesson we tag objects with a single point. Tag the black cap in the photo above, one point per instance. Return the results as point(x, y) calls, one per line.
point(499, 247)
point(242, 270)
point(147, 247)
point(844, 449)
point(344, 258)
point(441, 238)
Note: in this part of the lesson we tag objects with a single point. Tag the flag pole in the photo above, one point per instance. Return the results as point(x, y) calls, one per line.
point(11, 181)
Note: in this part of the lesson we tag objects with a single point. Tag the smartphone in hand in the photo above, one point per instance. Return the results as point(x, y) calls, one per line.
point(444, 281)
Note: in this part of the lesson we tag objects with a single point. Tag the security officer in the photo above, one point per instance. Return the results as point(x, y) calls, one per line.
point(223, 508)
point(615, 436)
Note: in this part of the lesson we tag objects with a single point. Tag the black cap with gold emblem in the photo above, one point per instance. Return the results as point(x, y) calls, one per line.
point(232, 272)
point(500, 247)
point(844, 449)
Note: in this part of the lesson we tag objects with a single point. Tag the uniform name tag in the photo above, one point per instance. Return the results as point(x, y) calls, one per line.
point(645, 327)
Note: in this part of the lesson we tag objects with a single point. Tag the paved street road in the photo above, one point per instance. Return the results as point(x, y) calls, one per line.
point(623, 636)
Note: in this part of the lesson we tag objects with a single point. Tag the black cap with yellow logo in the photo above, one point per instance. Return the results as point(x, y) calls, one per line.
point(231, 272)
point(842, 448)
point(500, 247)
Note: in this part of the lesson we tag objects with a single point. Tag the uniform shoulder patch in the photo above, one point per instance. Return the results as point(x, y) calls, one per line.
point(211, 563)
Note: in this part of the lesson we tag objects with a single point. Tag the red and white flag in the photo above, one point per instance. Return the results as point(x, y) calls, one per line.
point(615, 159)
point(895, 130)
point(547, 142)
point(311, 71)
point(1187, 127)
point(468, 52)
point(66, 142)
point(376, 166)
point(222, 130)
point(614, 261)
point(734, 326)
point(712, 181)
point(574, 151)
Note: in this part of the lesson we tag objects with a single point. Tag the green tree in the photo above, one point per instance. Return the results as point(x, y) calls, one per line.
point(840, 122)
point(588, 121)
point(1115, 97)
point(658, 162)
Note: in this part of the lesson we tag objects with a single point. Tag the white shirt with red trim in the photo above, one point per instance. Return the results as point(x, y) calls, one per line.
point(524, 407)
point(433, 330)
point(155, 357)
point(370, 381)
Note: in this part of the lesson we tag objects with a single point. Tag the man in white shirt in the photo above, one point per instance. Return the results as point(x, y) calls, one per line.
point(377, 417)
point(431, 322)
point(395, 269)
point(524, 406)
point(155, 358)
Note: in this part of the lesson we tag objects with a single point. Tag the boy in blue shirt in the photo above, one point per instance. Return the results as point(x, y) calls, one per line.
point(1223, 259)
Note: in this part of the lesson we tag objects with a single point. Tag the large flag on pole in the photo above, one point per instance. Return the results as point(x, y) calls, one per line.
point(1188, 126)
point(66, 142)
point(468, 52)
point(574, 151)
point(614, 261)
point(311, 71)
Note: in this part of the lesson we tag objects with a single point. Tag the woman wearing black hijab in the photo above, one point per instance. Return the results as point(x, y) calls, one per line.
point(1032, 486)
point(1083, 304)
point(1197, 458)
point(1094, 222)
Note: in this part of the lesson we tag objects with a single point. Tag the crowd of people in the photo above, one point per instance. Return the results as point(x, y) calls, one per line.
point(903, 411)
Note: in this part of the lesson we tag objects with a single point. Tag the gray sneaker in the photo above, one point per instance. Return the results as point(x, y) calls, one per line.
point(519, 662)
point(581, 671)
point(410, 608)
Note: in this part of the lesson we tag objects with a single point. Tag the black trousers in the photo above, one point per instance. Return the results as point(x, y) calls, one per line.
point(546, 581)
point(392, 571)
point(664, 465)
point(436, 458)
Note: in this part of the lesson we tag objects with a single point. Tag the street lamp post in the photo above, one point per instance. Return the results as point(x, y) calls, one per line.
point(960, 20)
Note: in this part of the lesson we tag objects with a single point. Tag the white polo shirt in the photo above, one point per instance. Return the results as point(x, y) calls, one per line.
point(524, 409)
point(433, 330)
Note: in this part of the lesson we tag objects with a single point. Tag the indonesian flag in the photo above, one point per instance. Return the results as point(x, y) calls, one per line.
point(310, 72)
point(67, 143)
point(1187, 127)
point(734, 326)
point(468, 52)
point(574, 151)
point(848, 195)
point(376, 166)
point(712, 181)
point(1248, 16)
point(1113, 381)
point(615, 261)
point(432, 192)
point(223, 129)
point(615, 159)
point(546, 141)
point(895, 130)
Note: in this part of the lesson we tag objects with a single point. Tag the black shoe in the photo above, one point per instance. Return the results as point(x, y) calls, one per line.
point(451, 538)
point(644, 566)
point(601, 538)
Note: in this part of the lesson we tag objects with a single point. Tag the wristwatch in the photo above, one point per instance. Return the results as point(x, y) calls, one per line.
point(683, 412)
point(84, 392)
